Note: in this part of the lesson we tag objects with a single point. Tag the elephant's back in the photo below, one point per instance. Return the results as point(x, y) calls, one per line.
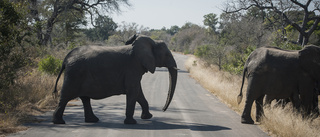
point(273, 60)
point(87, 52)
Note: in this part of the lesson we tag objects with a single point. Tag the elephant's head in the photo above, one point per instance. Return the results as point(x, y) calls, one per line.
point(309, 58)
point(152, 54)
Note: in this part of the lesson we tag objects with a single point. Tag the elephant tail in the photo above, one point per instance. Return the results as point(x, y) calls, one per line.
point(239, 98)
point(55, 92)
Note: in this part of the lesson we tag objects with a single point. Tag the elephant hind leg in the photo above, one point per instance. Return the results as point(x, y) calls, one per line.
point(259, 108)
point(246, 114)
point(88, 113)
point(58, 113)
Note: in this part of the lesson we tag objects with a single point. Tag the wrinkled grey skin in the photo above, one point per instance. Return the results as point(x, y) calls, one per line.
point(314, 106)
point(97, 72)
point(283, 102)
point(280, 74)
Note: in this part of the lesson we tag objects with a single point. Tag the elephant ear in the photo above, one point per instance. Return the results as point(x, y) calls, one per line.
point(309, 59)
point(131, 39)
point(143, 51)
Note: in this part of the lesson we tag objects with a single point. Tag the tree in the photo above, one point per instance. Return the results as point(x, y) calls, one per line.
point(188, 38)
point(283, 8)
point(106, 26)
point(160, 35)
point(126, 30)
point(211, 21)
point(212, 54)
point(68, 30)
point(173, 30)
point(56, 7)
point(13, 37)
point(103, 28)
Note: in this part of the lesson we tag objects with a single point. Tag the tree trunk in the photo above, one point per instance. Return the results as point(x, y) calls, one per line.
point(300, 39)
point(305, 40)
point(47, 35)
point(35, 14)
point(50, 23)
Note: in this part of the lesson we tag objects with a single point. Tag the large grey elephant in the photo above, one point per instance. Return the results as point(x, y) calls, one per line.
point(280, 74)
point(97, 72)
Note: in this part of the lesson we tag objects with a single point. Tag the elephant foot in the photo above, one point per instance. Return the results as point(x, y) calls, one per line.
point(93, 119)
point(146, 115)
point(247, 121)
point(130, 121)
point(58, 121)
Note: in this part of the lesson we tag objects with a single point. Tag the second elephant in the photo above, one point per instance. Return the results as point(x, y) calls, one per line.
point(280, 74)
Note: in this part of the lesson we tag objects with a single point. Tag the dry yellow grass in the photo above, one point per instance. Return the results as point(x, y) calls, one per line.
point(285, 123)
point(277, 121)
point(223, 84)
point(33, 96)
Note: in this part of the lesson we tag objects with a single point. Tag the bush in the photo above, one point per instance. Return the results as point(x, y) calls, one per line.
point(202, 51)
point(11, 58)
point(289, 46)
point(50, 65)
point(237, 60)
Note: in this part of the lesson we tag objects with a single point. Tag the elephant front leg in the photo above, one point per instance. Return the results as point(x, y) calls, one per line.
point(131, 103)
point(88, 113)
point(144, 105)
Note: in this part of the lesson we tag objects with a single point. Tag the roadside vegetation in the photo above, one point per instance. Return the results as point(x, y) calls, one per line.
point(36, 35)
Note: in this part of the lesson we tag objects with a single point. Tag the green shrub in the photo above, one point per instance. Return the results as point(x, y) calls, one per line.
point(289, 46)
point(237, 60)
point(50, 65)
point(202, 51)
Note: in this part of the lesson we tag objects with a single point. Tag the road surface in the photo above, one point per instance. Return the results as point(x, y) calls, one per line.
point(194, 112)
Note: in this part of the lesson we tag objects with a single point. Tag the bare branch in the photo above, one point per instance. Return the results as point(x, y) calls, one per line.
point(88, 6)
point(281, 7)
point(308, 3)
point(240, 9)
point(314, 26)
point(299, 4)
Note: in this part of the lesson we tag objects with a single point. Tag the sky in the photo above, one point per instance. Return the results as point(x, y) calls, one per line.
point(156, 14)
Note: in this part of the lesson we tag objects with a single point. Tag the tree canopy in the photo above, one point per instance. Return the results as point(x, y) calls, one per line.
point(211, 20)
point(47, 13)
point(283, 9)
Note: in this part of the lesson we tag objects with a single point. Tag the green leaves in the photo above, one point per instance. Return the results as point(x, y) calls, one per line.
point(50, 65)
point(211, 20)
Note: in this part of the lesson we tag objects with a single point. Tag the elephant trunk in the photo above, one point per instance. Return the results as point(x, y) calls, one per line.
point(173, 73)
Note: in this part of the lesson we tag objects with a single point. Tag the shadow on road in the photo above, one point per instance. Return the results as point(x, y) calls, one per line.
point(153, 124)
point(158, 124)
point(115, 121)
